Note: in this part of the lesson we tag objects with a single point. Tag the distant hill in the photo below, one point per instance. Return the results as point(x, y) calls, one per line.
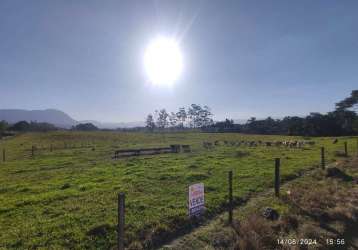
point(114, 125)
point(57, 118)
point(53, 116)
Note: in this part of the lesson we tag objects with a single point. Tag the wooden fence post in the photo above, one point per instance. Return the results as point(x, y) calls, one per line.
point(32, 151)
point(3, 155)
point(230, 197)
point(51, 148)
point(345, 149)
point(357, 146)
point(121, 211)
point(277, 177)
point(322, 158)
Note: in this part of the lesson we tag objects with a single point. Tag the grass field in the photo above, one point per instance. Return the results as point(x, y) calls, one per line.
point(67, 198)
point(315, 210)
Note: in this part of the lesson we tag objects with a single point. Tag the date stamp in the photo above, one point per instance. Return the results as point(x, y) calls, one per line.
point(308, 241)
point(294, 241)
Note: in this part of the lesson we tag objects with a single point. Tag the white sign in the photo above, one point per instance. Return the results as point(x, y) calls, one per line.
point(196, 199)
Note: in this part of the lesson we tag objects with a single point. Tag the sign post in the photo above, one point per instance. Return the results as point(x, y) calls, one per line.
point(196, 199)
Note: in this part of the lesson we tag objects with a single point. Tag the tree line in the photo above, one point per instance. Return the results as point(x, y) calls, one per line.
point(195, 116)
point(23, 126)
point(342, 121)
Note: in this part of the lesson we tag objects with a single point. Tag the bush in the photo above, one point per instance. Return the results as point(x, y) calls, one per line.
point(256, 233)
point(3, 126)
point(85, 127)
point(20, 126)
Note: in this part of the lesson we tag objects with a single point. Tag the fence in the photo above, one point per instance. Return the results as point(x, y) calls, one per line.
point(176, 148)
point(35, 150)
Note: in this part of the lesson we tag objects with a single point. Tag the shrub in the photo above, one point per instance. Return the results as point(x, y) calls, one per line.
point(255, 233)
point(85, 127)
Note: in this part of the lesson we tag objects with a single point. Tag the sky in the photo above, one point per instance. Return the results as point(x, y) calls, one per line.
point(241, 58)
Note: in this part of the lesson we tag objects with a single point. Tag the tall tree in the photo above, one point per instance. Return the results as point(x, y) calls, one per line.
point(194, 115)
point(173, 119)
point(181, 116)
point(162, 120)
point(205, 117)
point(150, 124)
point(199, 117)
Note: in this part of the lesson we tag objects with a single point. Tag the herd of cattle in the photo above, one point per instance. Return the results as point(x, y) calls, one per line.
point(289, 144)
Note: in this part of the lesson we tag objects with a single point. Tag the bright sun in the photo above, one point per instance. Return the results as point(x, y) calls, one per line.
point(163, 61)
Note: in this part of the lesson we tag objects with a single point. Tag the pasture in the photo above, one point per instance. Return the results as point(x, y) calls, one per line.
point(67, 197)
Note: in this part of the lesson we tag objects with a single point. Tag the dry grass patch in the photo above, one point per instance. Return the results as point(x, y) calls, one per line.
point(255, 233)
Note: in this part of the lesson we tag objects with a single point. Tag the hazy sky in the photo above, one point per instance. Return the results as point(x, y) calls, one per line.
point(241, 58)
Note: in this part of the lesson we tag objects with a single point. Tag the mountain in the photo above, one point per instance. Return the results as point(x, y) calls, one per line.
point(53, 116)
point(57, 118)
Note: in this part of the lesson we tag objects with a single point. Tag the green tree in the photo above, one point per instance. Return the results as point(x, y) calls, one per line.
point(194, 114)
point(205, 117)
point(349, 102)
point(150, 124)
point(162, 119)
point(173, 120)
point(181, 116)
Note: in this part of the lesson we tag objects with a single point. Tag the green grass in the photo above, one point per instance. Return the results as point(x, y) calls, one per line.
point(68, 198)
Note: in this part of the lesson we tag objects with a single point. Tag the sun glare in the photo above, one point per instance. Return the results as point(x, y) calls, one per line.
point(163, 61)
